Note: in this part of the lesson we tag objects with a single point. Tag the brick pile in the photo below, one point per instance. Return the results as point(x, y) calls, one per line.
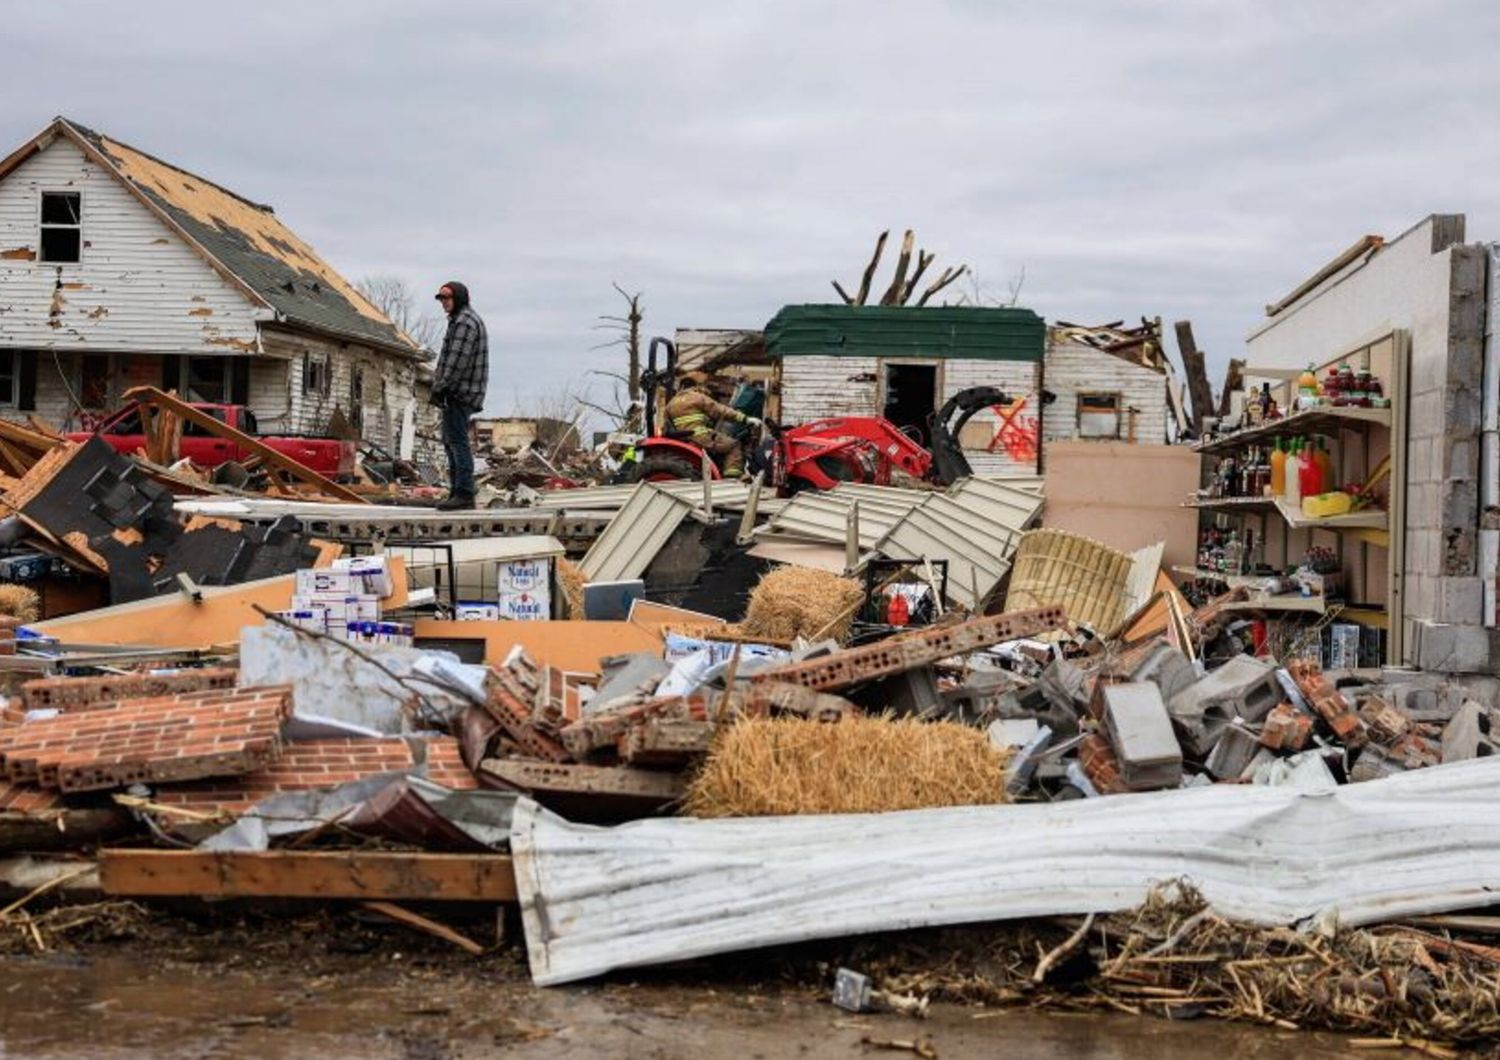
point(87, 693)
point(8, 626)
point(313, 764)
point(187, 736)
point(1328, 702)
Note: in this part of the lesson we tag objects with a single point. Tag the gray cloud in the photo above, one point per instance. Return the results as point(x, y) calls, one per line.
point(1179, 159)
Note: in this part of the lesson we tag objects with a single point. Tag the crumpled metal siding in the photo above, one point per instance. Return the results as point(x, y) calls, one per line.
point(635, 535)
point(976, 527)
point(596, 899)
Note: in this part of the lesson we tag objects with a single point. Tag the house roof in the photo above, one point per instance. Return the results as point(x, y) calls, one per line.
point(243, 240)
point(948, 332)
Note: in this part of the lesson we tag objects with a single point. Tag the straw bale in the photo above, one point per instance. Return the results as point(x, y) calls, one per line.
point(18, 601)
point(570, 578)
point(773, 766)
point(791, 602)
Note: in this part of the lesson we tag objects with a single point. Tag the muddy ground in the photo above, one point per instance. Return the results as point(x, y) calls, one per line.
point(291, 982)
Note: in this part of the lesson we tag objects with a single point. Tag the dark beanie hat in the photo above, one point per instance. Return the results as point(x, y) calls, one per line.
point(460, 294)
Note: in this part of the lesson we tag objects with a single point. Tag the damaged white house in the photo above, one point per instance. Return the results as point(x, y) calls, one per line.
point(118, 269)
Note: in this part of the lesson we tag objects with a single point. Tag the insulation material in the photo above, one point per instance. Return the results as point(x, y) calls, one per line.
point(791, 602)
point(596, 899)
point(1088, 580)
point(762, 767)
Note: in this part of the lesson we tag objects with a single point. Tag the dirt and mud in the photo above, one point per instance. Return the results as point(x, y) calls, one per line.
point(294, 983)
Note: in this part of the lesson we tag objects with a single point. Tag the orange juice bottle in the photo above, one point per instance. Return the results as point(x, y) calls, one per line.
point(1278, 469)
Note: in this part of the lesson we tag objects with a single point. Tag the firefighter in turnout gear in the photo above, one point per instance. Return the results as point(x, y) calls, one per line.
point(692, 414)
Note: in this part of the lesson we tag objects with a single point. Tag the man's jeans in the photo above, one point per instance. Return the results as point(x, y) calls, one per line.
point(460, 456)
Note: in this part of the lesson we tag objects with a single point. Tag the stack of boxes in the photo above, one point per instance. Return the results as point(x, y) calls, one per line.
point(344, 601)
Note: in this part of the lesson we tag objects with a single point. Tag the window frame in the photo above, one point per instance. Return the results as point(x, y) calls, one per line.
point(1118, 397)
point(324, 364)
point(42, 226)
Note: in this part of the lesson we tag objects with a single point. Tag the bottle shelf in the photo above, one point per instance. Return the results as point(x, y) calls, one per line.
point(1308, 421)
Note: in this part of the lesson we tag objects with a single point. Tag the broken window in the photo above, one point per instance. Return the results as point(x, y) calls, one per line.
point(316, 376)
point(62, 227)
point(207, 380)
point(357, 397)
point(1099, 415)
point(7, 377)
point(93, 382)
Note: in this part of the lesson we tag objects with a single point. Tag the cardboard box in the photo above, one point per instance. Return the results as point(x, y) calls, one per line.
point(476, 612)
point(328, 580)
point(314, 618)
point(525, 592)
point(346, 607)
point(372, 574)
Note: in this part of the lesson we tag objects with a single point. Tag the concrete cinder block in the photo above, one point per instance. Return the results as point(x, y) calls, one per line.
point(1167, 668)
point(1244, 687)
point(1139, 728)
point(1456, 649)
point(1459, 600)
point(1236, 748)
point(1471, 734)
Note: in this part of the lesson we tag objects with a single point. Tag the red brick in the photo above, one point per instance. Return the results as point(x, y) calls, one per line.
point(87, 693)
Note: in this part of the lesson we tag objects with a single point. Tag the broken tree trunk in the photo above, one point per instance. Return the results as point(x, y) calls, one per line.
point(924, 259)
point(869, 276)
point(903, 263)
point(1200, 393)
point(943, 280)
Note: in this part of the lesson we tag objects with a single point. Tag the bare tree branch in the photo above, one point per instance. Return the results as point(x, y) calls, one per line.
point(942, 281)
point(924, 259)
point(842, 293)
point(393, 297)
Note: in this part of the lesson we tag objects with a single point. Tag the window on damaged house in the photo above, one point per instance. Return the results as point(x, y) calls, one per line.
point(61, 239)
point(357, 397)
point(1099, 415)
point(316, 376)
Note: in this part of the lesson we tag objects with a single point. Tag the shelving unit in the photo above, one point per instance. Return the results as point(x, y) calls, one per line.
point(1368, 543)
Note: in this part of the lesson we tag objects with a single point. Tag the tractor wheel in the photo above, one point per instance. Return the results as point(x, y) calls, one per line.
point(660, 468)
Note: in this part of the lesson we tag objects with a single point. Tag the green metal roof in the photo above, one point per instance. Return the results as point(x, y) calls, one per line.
point(950, 332)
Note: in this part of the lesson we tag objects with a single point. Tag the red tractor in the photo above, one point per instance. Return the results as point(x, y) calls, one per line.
point(815, 455)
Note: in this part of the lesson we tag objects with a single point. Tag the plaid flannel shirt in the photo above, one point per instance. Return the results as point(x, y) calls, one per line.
point(463, 368)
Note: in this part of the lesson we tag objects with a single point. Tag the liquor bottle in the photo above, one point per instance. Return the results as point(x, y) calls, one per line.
point(1278, 469)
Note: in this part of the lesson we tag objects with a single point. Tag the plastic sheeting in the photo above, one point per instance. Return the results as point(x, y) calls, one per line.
point(595, 899)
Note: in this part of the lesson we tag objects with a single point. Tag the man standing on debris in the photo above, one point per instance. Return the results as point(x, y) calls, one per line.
point(458, 385)
point(691, 415)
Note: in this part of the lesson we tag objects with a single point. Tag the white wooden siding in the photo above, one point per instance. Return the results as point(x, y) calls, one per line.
point(1017, 379)
point(1073, 368)
point(813, 387)
point(389, 384)
point(138, 288)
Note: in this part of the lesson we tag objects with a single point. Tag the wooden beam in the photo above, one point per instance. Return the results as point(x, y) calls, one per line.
point(270, 457)
point(1200, 393)
point(365, 875)
point(1234, 381)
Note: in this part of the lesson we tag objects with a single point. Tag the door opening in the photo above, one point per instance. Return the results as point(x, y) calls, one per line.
point(911, 399)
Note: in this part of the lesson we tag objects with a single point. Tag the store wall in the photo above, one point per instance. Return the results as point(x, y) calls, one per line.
point(1431, 285)
point(1127, 496)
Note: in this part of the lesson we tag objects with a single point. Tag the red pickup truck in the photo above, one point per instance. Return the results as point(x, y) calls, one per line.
point(327, 456)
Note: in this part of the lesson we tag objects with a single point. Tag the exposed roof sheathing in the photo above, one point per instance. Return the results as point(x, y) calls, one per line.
point(242, 238)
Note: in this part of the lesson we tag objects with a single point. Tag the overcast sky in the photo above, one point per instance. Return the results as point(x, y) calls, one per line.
point(1186, 160)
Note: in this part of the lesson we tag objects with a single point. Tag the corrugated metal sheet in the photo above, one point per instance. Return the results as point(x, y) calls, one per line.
point(976, 528)
point(636, 534)
point(888, 331)
point(726, 494)
point(597, 899)
point(823, 517)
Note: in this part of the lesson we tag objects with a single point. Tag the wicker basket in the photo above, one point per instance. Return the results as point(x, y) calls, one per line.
point(1086, 578)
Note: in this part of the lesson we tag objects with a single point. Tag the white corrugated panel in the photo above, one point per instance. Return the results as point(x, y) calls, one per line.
point(823, 517)
point(635, 535)
point(596, 899)
point(976, 528)
point(605, 498)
